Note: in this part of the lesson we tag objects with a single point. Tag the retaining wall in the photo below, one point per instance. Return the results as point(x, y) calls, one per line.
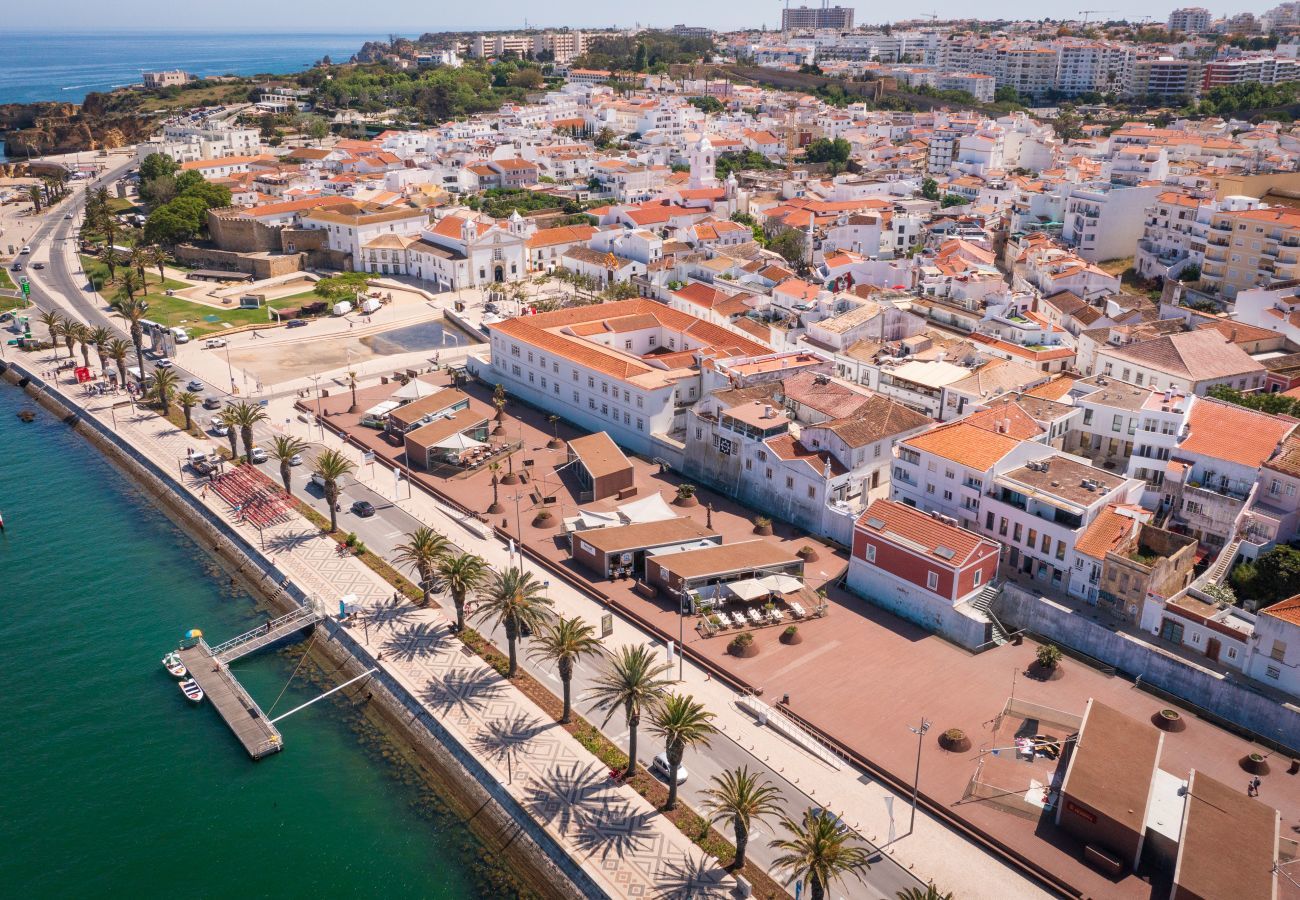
point(1221, 696)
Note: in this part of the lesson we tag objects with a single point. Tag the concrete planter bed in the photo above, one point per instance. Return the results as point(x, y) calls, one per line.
point(1168, 720)
point(1039, 672)
point(743, 646)
point(954, 740)
point(791, 635)
point(1255, 764)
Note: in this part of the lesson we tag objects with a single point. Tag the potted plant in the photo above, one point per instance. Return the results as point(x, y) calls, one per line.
point(715, 621)
point(1169, 720)
point(743, 645)
point(1047, 663)
point(686, 495)
point(954, 740)
point(544, 519)
point(1255, 763)
point(763, 526)
point(791, 635)
point(807, 553)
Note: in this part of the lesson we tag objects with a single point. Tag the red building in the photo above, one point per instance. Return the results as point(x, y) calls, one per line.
point(924, 568)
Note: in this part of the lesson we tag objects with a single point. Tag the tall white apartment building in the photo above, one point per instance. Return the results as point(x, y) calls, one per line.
point(1086, 66)
point(1190, 20)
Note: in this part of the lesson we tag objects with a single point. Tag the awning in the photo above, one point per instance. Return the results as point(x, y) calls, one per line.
point(780, 584)
point(747, 589)
point(415, 389)
point(648, 509)
point(458, 442)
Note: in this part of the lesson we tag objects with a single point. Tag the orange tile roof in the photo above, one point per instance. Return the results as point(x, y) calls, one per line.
point(923, 530)
point(1021, 425)
point(1107, 532)
point(1286, 610)
point(1233, 433)
point(967, 445)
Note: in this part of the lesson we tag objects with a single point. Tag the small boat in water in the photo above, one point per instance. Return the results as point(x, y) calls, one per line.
point(190, 688)
point(26, 415)
point(172, 663)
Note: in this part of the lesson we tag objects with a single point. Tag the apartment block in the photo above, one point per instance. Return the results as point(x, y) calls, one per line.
point(1251, 248)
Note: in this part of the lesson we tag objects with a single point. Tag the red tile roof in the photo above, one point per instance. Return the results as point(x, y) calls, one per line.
point(922, 532)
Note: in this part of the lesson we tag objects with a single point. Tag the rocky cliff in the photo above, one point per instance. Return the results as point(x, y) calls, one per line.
point(35, 129)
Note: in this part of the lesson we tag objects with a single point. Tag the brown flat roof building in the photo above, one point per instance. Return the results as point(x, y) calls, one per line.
point(601, 467)
point(1228, 846)
point(622, 548)
point(692, 569)
point(418, 412)
point(422, 443)
point(1108, 782)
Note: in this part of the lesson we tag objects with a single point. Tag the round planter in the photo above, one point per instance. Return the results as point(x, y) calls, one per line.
point(1168, 720)
point(555, 444)
point(510, 478)
point(763, 530)
point(1042, 673)
point(544, 521)
point(500, 429)
point(686, 502)
point(1255, 764)
point(750, 649)
point(792, 639)
point(959, 743)
point(808, 555)
point(495, 509)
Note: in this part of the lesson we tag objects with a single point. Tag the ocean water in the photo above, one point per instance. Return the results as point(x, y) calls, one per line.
point(66, 65)
point(113, 785)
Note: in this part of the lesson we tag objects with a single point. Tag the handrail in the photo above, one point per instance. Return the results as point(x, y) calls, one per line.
point(301, 614)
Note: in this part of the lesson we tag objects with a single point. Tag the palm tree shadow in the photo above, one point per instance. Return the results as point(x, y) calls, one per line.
point(389, 613)
point(462, 690)
point(286, 543)
point(507, 738)
point(569, 796)
point(618, 829)
point(413, 642)
point(690, 877)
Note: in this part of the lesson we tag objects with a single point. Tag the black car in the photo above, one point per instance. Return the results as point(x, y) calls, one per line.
point(363, 508)
point(16, 267)
point(38, 265)
point(295, 323)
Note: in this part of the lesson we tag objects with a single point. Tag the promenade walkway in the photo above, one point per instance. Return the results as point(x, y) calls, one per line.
point(617, 836)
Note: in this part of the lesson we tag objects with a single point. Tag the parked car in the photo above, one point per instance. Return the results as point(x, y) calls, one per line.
point(212, 403)
point(659, 765)
point(318, 480)
point(840, 824)
point(218, 427)
point(164, 363)
point(16, 267)
point(195, 385)
point(214, 343)
point(363, 508)
point(295, 323)
point(258, 455)
point(295, 460)
point(38, 266)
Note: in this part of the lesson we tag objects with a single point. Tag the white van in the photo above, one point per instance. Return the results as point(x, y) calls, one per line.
point(342, 308)
point(182, 336)
point(370, 305)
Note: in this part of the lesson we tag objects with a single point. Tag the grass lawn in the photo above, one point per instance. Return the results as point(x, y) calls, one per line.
point(122, 204)
point(6, 281)
point(8, 303)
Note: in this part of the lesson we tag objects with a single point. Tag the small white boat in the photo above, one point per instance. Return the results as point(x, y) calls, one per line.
point(190, 688)
point(172, 663)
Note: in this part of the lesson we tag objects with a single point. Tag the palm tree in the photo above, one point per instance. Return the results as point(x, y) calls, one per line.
point(332, 466)
point(283, 449)
point(34, 195)
point(132, 312)
point(106, 254)
point(132, 283)
point(82, 334)
point(633, 682)
point(514, 599)
point(245, 415)
point(929, 892)
point(564, 642)
point(682, 721)
point(227, 417)
point(68, 331)
point(165, 383)
point(744, 799)
point(495, 468)
point(352, 383)
point(187, 400)
point(158, 257)
point(100, 337)
point(117, 351)
point(137, 259)
point(461, 574)
point(422, 550)
point(818, 851)
point(53, 323)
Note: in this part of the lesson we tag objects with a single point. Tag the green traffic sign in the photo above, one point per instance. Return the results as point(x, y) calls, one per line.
point(27, 288)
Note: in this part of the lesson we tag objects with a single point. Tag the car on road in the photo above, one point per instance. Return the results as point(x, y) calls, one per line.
point(659, 765)
point(258, 454)
point(212, 402)
point(195, 385)
point(295, 460)
point(218, 427)
point(295, 323)
point(840, 824)
point(27, 248)
point(363, 508)
point(16, 267)
point(67, 216)
point(38, 266)
point(164, 363)
point(214, 343)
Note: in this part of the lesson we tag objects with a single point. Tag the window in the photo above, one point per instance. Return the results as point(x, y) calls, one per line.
point(1060, 550)
point(932, 580)
point(979, 574)
point(1232, 653)
point(988, 522)
point(627, 345)
point(876, 452)
point(1279, 651)
point(949, 474)
point(812, 492)
point(1047, 543)
point(575, 374)
point(604, 409)
point(947, 495)
point(1015, 533)
point(789, 483)
point(929, 489)
point(515, 371)
point(1087, 417)
point(1273, 672)
point(575, 396)
point(769, 473)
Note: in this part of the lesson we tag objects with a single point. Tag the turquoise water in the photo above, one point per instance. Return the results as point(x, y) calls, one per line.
point(113, 785)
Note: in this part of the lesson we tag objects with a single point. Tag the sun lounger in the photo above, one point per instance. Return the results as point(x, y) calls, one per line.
point(755, 617)
point(798, 610)
point(776, 616)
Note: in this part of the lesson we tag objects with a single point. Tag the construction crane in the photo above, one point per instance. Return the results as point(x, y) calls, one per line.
point(1089, 12)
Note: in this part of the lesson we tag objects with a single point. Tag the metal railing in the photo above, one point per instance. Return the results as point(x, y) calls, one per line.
point(264, 634)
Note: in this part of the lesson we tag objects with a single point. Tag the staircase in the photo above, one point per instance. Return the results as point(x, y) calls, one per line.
point(982, 604)
point(1223, 563)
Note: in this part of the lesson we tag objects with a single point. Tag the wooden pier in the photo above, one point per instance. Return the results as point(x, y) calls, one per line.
point(245, 718)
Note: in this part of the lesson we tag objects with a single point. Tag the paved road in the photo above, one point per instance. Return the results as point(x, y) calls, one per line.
point(389, 527)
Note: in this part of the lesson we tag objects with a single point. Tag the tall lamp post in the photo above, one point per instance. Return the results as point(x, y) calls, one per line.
point(916, 780)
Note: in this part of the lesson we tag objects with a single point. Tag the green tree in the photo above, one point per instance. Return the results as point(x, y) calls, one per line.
point(283, 449)
point(461, 574)
point(117, 351)
point(187, 400)
point(131, 310)
point(632, 682)
point(35, 196)
point(930, 189)
point(929, 892)
point(101, 337)
point(165, 384)
point(682, 722)
point(564, 642)
point(515, 600)
point(836, 152)
point(157, 165)
point(53, 324)
point(84, 337)
point(421, 552)
point(1272, 577)
point(817, 851)
point(131, 283)
point(789, 243)
point(743, 799)
point(227, 418)
point(344, 286)
point(332, 466)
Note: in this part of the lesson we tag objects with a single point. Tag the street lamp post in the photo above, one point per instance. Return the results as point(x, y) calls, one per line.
point(916, 780)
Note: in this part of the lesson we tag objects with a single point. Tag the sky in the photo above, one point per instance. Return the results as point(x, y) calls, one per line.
point(416, 16)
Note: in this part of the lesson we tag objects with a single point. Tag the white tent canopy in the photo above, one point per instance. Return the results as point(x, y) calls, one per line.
point(746, 588)
point(415, 389)
point(782, 584)
point(648, 509)
point(458, 442)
